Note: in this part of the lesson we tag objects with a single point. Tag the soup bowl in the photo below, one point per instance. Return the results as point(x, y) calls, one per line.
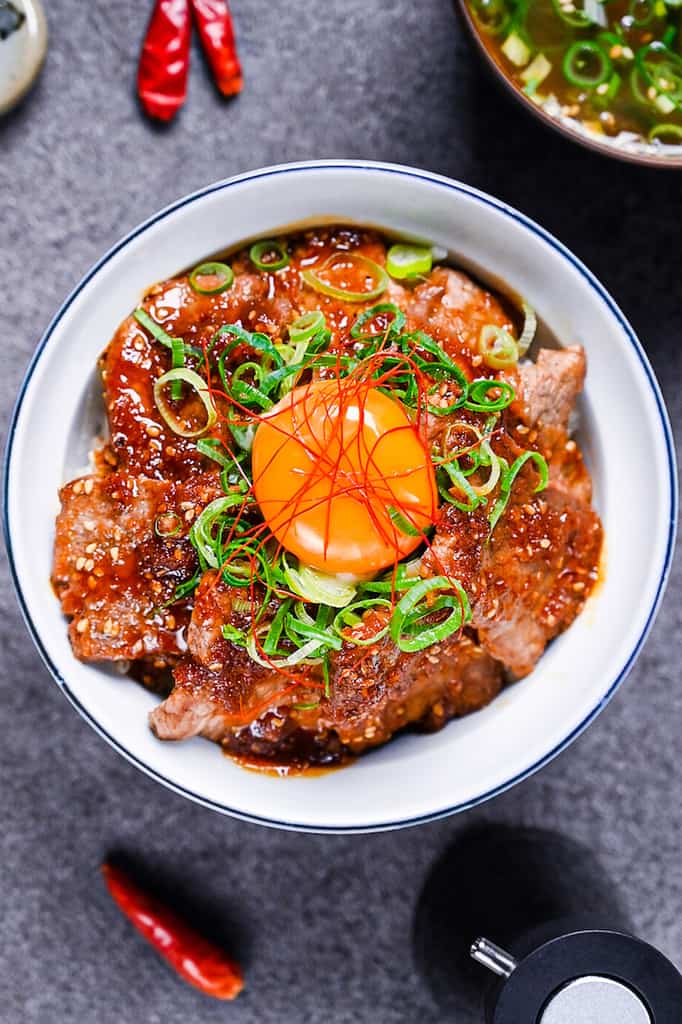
point(632, 150)
point(623, 429)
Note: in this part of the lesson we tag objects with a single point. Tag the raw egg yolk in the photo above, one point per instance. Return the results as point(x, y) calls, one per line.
point(338, 468)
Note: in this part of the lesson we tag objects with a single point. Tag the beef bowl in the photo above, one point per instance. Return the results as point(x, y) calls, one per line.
point(357, 473)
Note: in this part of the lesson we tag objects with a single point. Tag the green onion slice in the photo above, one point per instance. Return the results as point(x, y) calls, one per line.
point(199, 385)
point(530, 326)
point(318, 587)
point(306, 326)
point(167, 524)
point(394, 325)
point(479, 399)
point(568, 12)
point(408, 628)
point(157, 332)
point(499, 350)
point(509, 476)
point(206, 530)
point(211, 278)
point(585, 64)
point(667, 134)
point(408, 261)
point(269, 255)
point(347, 619)
point(662, 69)
point(374, 274)
point(402, 523)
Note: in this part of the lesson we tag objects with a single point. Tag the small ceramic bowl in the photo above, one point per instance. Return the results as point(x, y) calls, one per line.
point(632, 150)
point(23, 45)
point(624, 431)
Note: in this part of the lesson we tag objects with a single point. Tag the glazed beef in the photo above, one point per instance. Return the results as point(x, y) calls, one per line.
point(222, 694)
point(112, 572)
point(117, 578)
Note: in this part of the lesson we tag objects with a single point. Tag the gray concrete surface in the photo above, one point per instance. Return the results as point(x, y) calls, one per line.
point(324, 922)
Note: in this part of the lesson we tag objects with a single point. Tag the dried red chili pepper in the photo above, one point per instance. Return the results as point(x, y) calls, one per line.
point(217, 38)
point(195, 959)
point(164, 61)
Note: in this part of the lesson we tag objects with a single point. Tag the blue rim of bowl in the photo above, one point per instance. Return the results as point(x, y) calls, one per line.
point(507, 211)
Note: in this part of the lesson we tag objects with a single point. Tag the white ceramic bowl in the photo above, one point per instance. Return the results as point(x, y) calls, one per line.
point(624, 429)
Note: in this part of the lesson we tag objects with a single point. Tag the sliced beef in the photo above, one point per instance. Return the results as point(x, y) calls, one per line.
point(452, 309)
point(140, 440)
point(222, 694)
point(217, 686)
point(112, 572)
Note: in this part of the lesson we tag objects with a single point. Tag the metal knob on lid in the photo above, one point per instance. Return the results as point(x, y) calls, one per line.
point(594, 977)
point(595, 1000)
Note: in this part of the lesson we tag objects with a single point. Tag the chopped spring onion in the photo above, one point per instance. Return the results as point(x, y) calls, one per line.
point(408, 261)
point(211, 278)
point(516, 50)
point(409, 629)
point(568, 12)
point(206, 531)
point(498, 348)
point(666, 134)
point(530, 326)
point(488, 458)
point(176, 345)
point(373, 273)
point(318, 587)
point(642, 12)
point(269, 255)
point(537, 70)
point(480, 399)
point(384, 309)
point(306, 326)
point(458, 480)
point(403, 524)
point(348, 619)
point(167, 524)
point(509, 476)
point(306, 653)
point(492, 15)
point(585, 64)
point(201, 388)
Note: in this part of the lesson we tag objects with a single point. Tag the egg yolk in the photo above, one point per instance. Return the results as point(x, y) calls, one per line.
point(331, 462)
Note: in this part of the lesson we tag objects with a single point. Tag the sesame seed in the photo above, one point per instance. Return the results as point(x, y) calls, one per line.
point(603, 88)
point(370, 731)
point(78, 487)
point(545, 543)
point(107, 627)
point(578, 586)
point(82, 626)
point(99, 572)
point(215, 666)
point(89, 565)
point(114, 554)
point(90, 525)
point(88, 486)
point(170, 621)
point(185, 505)
point(153, 430)
point(80, 562)
point(91, 548)
point(156, 586)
